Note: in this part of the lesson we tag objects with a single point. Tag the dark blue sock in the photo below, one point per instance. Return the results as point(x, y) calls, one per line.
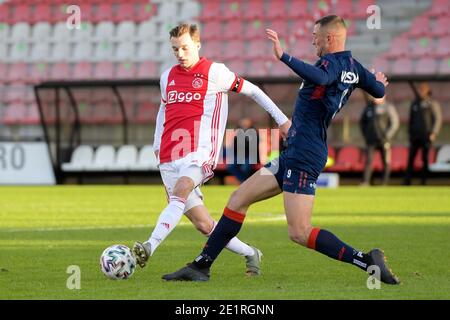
point(328, 244)
point(228, 227)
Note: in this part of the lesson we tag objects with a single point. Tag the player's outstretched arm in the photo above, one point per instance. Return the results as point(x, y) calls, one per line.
point(159, 128)
point(374, 83)
point(254, 92)
point(306, 71)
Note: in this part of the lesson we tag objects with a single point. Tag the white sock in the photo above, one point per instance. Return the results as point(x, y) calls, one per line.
point(167, 221)
point(235, 245)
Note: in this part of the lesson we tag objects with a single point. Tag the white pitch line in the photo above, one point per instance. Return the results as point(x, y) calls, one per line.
point(183, 223)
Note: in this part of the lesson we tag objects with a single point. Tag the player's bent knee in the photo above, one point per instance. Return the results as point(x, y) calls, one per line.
point(237, 202)
point(204, 227)
point(183, 187)
point(299, 237)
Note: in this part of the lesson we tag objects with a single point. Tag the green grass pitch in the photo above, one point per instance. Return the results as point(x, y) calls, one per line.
point(44, 230)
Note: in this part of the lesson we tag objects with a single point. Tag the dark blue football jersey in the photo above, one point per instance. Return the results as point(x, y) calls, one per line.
point(325, 89)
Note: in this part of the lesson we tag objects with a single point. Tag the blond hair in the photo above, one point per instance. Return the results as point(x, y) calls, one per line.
point(183, 28)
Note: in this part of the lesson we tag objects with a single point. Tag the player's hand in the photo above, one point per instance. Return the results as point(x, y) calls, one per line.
point(273, 36)
point(380, 76)
point(432, 137)
point(284, 129)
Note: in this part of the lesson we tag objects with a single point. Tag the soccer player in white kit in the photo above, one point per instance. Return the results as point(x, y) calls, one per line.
point(189, 131)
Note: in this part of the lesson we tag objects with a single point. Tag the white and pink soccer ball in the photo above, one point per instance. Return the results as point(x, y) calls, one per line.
point(117, 262)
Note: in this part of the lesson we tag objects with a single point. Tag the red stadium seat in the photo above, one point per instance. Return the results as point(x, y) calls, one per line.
point(104, 70)
point(104, 12)
point(399, 160)
point(233, 49)
point(147, 70)
point(60, 71)
point(344, 9)
point(15, 113)
point(279, 70)
point(320, 8)
point(237, 66)
point(254, 10)
point(21, 13)
point(213, 49)
point(419, 26)
point(301, 48)
point(145, 11)
point(4, 12)
point(231, 10)
point(422, 47)
point(232, 29)
point(254, 30)
point(276, 9)
point(361, 8)
point(439, 8)
point(125, 70)
point(18, 72)
point(402, 66)
point(441, 26)
point(399, 47)
point(381, 64)
point(125, 11)
point(426, 66)
point(82, 71)
point(257, 68)
point(281, 27)
point(210, 10)
point(39, 72)
point(59, 13)
point(259, 49)
point(298, 10)
point(212, 30)
point(348, 159)
point(3, 72)
point(442, 48)
point(32, 115)
point(42, 12)
point(16, 93)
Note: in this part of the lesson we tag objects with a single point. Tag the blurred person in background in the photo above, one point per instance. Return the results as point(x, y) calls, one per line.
point(425, 120)
point(245, 150)
point(379, 122)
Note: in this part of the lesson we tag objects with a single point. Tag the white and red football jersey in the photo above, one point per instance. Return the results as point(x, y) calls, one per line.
point(195, 107)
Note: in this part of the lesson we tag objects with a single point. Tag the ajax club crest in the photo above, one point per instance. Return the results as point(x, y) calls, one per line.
point(197, 83)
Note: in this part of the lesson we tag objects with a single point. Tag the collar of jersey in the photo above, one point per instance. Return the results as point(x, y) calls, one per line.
point(194, 67)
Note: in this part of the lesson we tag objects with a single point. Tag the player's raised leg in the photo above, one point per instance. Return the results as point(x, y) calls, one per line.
point(167, 221)
point(259, 186)
point(298, 214)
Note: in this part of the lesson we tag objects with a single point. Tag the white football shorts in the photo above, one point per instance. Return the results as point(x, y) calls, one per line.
point(172, 171)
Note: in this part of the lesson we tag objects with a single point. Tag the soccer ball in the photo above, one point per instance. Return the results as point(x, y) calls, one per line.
point(117, 262)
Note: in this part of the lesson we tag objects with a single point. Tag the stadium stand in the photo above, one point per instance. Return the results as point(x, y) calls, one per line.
point(127, 40)
point(81, 158)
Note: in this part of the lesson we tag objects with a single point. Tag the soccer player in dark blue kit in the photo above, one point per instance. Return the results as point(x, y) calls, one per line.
point(326, 88)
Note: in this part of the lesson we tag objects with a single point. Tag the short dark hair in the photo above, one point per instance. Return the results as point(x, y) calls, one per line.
point(331, 19)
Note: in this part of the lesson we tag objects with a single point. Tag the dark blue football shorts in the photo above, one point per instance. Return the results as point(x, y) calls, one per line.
point(291, 177)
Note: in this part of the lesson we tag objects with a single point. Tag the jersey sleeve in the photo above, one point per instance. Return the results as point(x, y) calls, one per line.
point(228, 80)
point(368, 82)
point(322, 74)
point(160, 118)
